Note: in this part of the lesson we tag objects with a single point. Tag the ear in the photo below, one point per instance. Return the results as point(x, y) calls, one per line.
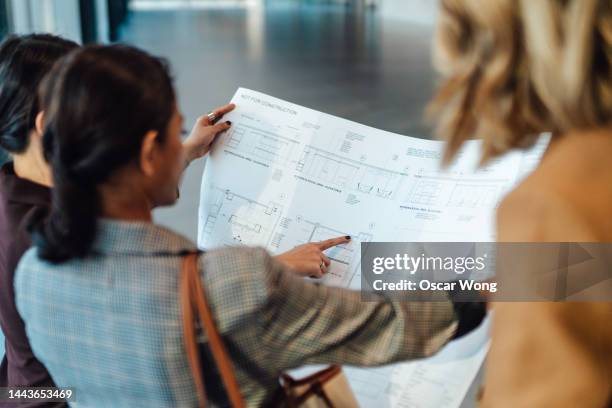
point(39, 123)
point(147, 153)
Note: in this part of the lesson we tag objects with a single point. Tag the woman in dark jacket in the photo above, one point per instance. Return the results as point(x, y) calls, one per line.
point(24, 188)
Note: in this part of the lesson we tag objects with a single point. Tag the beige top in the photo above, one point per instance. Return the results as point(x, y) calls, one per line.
point(556, 354)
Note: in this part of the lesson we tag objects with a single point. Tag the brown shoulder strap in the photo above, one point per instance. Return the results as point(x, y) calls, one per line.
point(193, 299)
point(189, 331)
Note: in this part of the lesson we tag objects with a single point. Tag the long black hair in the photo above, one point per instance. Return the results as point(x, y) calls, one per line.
point(100, 101)
point(24, 62)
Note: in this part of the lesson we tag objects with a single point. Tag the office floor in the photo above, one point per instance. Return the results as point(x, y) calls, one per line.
point(325, 57)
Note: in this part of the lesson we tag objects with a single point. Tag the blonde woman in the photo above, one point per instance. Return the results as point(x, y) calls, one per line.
point(513, 69)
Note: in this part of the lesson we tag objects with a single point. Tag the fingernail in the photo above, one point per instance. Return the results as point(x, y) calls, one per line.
point(228, 123)
point(348, 237)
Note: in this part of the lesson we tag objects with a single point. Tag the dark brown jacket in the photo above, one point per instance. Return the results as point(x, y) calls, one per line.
point(19, 199)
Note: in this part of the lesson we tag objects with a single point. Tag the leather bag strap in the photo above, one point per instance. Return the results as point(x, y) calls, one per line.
point(195, 306)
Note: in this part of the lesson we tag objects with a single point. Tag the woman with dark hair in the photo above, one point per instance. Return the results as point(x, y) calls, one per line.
point(24, 187)
point(25, 183)
point(99, 293)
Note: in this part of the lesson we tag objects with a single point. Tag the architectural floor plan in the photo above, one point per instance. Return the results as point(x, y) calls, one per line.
point(284, 175)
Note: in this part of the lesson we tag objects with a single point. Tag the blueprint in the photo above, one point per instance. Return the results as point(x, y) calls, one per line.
point(285, 175)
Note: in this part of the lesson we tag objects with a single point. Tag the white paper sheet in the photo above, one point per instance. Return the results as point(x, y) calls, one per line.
point(441, 381)
point(284, 175)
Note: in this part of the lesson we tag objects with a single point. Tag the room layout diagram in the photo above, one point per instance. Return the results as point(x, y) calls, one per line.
point(473, 196)
point(453, 205)
point(437, 192)
point(260, 145)
point(345, 173)
point(234, 220)
point(286, 175)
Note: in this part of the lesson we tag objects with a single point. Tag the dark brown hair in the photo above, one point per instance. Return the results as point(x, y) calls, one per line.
point(100, 102)
point(24, 62)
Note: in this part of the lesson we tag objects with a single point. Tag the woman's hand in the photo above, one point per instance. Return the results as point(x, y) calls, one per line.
point(309, 259)
point(204, 133)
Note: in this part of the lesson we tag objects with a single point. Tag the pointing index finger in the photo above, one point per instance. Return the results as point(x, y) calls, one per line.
point(329, 243)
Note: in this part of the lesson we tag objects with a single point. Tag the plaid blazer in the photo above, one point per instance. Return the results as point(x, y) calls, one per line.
point(109, 325)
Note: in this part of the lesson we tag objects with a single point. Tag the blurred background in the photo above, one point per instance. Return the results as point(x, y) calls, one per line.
point(364, 60)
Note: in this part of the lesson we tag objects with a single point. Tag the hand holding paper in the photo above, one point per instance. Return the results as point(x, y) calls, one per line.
point(284, 176)
point(204, 133)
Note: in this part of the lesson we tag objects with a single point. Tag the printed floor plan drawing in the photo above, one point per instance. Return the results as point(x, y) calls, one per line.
point(259, 144)
point(237, 220)
point(286, 175)
point(450, 193)
point(473, 196)
point(426, 192)
point(350, 174)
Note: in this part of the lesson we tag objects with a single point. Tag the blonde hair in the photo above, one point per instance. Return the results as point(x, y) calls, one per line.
point(513, 69)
